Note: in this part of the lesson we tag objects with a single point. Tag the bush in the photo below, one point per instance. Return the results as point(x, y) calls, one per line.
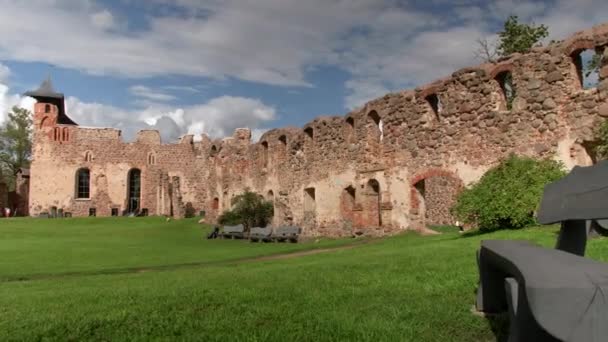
point(229, 218)
point(250, 210)
point(507, 195)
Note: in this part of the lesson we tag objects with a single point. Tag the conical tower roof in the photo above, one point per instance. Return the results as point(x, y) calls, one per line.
point(45, 90)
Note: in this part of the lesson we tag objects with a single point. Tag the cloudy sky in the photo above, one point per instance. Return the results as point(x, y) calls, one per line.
point(193, 66)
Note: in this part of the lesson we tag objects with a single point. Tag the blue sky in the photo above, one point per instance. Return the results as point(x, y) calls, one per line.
point(196, 66)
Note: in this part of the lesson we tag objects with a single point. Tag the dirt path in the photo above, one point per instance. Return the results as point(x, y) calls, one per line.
point(161, 268)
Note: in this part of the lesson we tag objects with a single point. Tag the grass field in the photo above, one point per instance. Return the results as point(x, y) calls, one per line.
point(102, 280)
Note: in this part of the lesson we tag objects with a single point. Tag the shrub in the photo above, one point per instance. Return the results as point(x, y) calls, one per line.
point(507, 195)
point(250, 210)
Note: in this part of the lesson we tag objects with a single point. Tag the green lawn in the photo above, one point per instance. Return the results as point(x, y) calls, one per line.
point(404, 288)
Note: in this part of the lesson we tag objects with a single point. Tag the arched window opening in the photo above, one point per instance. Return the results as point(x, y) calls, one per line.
point(270, 196)
point(151, 159)
point(435, 104)
point(586, 64)
point(213, 151)
point(377, 129)
point(65, 134)
point(373, 199)
point(265, 153)
point(47, 108)
point(134, 190)
point(507, 91)
point(309, 133)
point(350, 129)
point(88, 156)
point(215, 204)
point(83, 180)
point(283, 140)
point(56, 134)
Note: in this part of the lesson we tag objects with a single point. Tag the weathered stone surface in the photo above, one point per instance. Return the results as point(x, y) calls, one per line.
point(554, 76)
point(603, 110)
point(549, 104)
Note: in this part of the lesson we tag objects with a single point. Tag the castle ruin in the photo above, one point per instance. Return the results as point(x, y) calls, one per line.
point(396, 163)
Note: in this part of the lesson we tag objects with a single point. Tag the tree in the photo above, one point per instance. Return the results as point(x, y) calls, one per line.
point(507, 195)
point(515, 37)
point(250, 210)
point(16, 141)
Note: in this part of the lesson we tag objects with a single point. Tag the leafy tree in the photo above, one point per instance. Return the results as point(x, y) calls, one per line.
point(517, 37)
point(507, 195)
point(15, 141)
point(250, 210)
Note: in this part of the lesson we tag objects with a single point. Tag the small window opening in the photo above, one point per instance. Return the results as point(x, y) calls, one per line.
point(47, 108)
point(283, 139)
point(435, 103)
point(213, 151)
point(151, 159)
point(56, 134)
point(587, 64)
point(88, 156)
point(309, 132)
point(350, 128)
point(378, 129)
point(65, 134)
point(114, 211)
point(505, 80)
point(265, 153)
point(92, 212)
point(309, 200)
point(270, 196)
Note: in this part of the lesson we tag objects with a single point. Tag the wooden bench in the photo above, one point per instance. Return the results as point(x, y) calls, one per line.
point(287, 233)
point(260, 234)
point(549, 294)
point(233, 232)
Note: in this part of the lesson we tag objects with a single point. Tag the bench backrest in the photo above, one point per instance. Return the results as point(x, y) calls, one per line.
point(234, 229)
point(258, 231)
point(288, 231)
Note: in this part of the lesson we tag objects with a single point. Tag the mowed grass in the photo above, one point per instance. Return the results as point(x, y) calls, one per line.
point(404, 288)
point(41, 247)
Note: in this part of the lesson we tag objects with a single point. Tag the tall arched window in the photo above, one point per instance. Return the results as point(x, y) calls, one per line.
point(47, 108)
point(134, 190)
point(83, 178)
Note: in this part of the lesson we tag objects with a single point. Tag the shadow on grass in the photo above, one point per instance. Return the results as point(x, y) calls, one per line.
point(499, 324)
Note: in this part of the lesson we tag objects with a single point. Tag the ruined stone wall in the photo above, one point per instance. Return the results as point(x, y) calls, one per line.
point(451, 132)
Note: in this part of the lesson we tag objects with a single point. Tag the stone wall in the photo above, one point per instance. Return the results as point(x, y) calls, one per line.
point(365, 168)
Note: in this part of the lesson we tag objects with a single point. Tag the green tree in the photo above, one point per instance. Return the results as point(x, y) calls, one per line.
point(518, 37)
point(16, 142)
point(249, 209)
point(507, 195)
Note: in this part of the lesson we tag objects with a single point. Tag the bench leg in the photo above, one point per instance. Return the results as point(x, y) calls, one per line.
point(522, 325)
point(491, 296)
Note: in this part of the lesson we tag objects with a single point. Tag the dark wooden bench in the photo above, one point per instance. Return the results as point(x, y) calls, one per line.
point(287, 233)
point(550, 294)
point(260, 234)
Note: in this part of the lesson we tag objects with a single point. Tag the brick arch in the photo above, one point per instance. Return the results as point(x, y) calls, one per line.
point(500, 68)
point(432, 193)
point(577, 45)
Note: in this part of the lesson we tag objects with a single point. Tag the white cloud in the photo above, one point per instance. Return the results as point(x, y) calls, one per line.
point(150, 94)
point(218, 117)
point(384, 45)
point(103, 20)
